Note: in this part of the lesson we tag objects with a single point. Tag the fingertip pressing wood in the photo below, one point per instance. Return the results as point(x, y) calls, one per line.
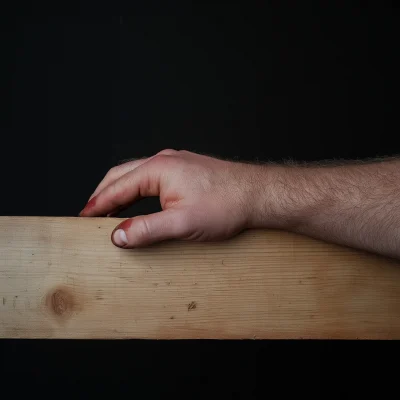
point(63, 278)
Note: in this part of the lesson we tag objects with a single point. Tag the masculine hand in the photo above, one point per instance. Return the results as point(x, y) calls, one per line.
point(202, 198)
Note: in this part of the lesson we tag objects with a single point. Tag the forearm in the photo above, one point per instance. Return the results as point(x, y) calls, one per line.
point(354, 205)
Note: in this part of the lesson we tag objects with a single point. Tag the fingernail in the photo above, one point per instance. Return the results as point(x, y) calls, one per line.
point(91, 203)
point(119, 238)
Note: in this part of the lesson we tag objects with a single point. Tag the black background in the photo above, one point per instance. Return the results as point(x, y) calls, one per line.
point(252, 81)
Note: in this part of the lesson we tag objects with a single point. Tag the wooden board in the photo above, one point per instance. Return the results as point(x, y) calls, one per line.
point(62, 278)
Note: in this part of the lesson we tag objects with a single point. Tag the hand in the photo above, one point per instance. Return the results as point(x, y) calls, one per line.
point(202, 198)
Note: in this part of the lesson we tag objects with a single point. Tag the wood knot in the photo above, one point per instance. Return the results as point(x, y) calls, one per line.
point(61, 302)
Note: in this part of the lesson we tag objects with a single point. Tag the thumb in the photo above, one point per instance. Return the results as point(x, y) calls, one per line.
point(147, 229)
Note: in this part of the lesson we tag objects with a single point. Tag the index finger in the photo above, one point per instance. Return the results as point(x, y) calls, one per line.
point(116, 172)
point(143, 181)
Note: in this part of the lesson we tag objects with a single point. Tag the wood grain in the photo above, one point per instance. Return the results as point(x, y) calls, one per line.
point(62, 278)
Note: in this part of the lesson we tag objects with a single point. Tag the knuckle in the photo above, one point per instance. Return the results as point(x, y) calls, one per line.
point(142, 230)
point(166, 164)
point(167, 152)
point(113, 194)
point(186, 153)
point(112, 171)
point(162, 158)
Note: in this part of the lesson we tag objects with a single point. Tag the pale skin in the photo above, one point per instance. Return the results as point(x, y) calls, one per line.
point(206, 199)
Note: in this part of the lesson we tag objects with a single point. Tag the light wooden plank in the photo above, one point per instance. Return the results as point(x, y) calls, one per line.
point(62, 278)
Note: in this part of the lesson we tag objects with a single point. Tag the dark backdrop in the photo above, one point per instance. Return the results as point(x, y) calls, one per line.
point(256, 81)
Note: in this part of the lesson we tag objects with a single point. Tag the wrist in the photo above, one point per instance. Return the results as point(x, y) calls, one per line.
point(285, 197)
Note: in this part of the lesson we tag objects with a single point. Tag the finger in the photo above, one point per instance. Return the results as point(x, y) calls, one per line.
point(147, 229)
point(115, 213)
point(116, 172)
point(141, 182)
point(119, 170)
